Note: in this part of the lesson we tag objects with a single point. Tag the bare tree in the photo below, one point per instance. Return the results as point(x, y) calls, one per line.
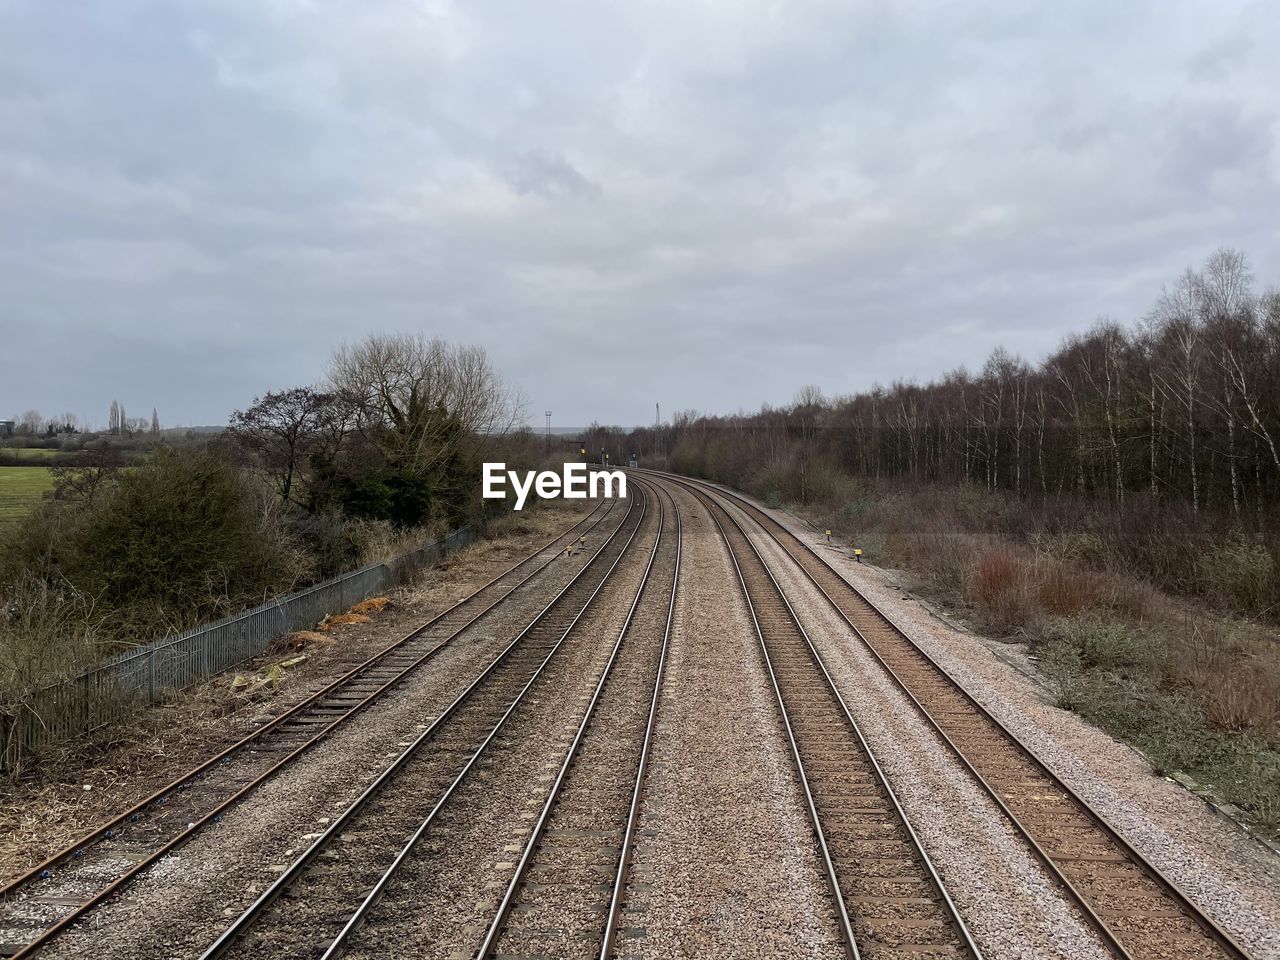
point(285, 429)
point(420, 400)
point(31, 422)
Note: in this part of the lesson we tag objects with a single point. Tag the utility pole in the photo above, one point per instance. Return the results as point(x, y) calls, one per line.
point(548, 433)
point(657, 429)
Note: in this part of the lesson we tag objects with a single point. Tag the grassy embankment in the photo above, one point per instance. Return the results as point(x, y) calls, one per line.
point(1156, 628)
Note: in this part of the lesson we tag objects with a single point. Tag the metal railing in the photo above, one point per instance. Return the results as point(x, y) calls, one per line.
point(147, 673)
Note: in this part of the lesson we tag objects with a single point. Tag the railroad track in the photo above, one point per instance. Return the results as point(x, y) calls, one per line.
point(566, 893)
point(46, 900)
point(1138, 912)
point(889, 900)
point(352, 862)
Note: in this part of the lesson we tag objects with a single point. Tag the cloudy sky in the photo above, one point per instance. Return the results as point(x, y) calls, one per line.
point(707, 204)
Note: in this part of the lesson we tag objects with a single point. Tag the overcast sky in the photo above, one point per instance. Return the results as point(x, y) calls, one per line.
point(707, 204)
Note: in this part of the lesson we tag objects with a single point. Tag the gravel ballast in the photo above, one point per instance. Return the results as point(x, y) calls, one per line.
point(441, 901)
point(1010, 905)
point(726, 865)
point(1229, 875)
point(178, 907)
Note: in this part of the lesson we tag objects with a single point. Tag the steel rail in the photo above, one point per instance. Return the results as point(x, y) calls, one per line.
point(846, 927)
point(1110, 937)
point(357, 918)
point(106, 831)
point(99, 832)
point(637, 794)
point(509, 896)
point(232, 934)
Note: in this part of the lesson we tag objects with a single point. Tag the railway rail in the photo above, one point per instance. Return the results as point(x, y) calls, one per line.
point(566, 894)
point(355, 858)
point(890, 901)
point(1138, 912)
point(49, 898)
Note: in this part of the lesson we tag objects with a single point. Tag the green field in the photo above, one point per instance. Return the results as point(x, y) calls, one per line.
point(21, 489)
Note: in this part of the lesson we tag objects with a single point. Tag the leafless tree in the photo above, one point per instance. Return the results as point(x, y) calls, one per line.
point(30, 422)
point(285, 429)
point(1185, 406)
point(421, 400)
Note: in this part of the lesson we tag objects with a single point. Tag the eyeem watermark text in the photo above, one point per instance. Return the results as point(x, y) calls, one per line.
point(574, 484)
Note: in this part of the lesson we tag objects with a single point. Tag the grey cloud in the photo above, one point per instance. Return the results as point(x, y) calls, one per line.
point(706, 205)
point(548, 175)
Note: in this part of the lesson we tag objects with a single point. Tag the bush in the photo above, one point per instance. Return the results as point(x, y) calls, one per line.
point(328, 540)
point(1003, 589)
point(47, 631)
point(1104, 644)
point(181, 539)
point(399, 496)
point(1240, 573)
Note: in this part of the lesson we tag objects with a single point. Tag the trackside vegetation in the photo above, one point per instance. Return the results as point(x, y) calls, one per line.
point(132, 544)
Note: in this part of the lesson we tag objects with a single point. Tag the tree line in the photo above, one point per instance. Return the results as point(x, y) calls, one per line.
point(1181, 407)
point(33, 424)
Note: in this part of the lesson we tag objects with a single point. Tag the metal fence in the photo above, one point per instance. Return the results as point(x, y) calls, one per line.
point(149, 672)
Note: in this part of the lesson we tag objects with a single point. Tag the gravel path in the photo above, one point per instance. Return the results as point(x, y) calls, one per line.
point(1230, 876)
point(178, 907)
point(726, 865)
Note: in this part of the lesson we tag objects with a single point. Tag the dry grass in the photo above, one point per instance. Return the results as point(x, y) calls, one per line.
point(507, 539)
point(301, 640)
point(342, 620)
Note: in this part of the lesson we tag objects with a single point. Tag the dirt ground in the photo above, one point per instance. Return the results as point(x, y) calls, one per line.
point(65, 792)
